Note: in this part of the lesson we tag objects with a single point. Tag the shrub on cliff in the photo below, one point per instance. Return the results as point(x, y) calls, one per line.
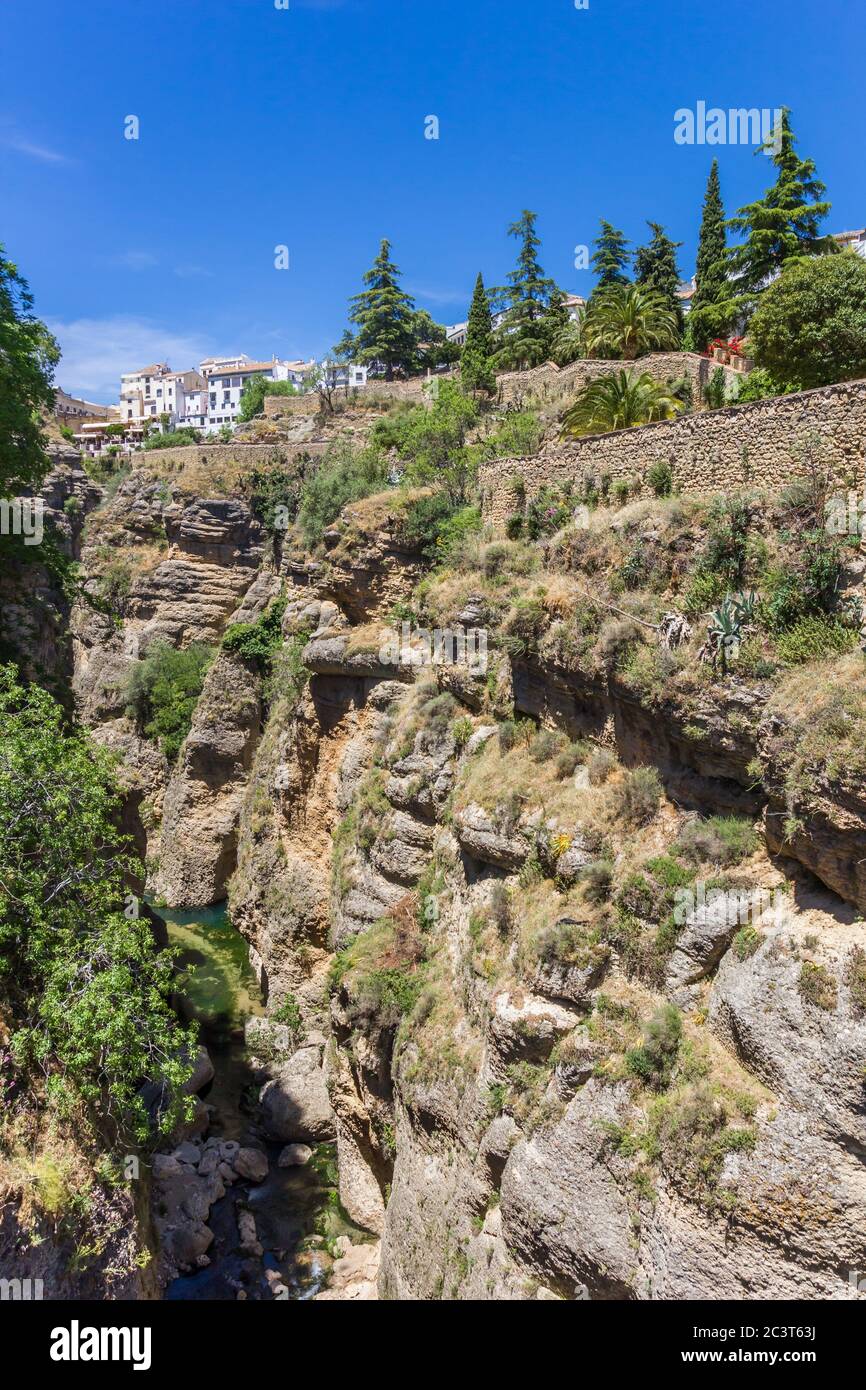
point(810, 325)
point(258, 642)
point(172, 439)
point(653, 1062)
point(85, 993)
point(345, 474)
point(163, 690)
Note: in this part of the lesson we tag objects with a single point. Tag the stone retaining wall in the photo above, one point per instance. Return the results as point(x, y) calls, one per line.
point(541, 383)
point(758, 445)
point(217, 455)
point(549, 381)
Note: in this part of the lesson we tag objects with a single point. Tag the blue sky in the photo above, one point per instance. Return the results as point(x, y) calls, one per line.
point(304, 127)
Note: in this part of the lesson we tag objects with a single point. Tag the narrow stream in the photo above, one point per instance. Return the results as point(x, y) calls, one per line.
point(296, 1210)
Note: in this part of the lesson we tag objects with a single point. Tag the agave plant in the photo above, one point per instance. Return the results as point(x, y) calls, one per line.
point(625, 321)
point(617, 401)
point(728, 625)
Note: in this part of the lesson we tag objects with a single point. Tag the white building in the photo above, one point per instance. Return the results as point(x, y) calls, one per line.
point(225, 380)
point(853, 241)
point(154, 391)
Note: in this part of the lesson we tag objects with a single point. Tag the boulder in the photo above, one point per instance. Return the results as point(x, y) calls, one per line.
point(295, 1105)
point(294, 1156)
point(252, 1164)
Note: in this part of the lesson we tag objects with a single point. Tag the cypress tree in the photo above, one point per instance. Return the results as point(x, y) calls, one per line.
point(710, 315)
point(476, 369)
point(782, 224)
point(656, 269)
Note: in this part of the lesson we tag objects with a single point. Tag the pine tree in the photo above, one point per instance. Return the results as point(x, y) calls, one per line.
point(522, 338)
point(782, 224)
point(656, 269)
point(710, 315)
point(610, 258)
point(384, 316)
point(476, 369)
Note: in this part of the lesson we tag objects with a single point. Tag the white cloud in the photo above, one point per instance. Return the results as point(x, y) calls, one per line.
point(13, 142)
point(96, 351)
point(193, 272)
point(434, 296)
point(135, 260)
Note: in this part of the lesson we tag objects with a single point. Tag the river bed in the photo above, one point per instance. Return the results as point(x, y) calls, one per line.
point(296, 1210)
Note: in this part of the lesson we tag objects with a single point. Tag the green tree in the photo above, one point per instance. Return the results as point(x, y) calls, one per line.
point(656, 269)
point(252, 400)
point(523, 337)
point(611, 258)
point(782, 224)
point(627, 320)
point(384, 318)
point(28, 356)
point(432, 348)
point(809, 328)
point(620, 401)
point(476, 368)
point(710, 312)
point(433, 444)
point(86, 995)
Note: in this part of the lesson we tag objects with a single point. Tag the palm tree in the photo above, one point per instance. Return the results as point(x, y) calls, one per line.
point(617, 401)
point(567, 344)
point(626, 320)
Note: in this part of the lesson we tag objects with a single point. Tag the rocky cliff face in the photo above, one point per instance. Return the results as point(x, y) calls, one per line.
point(565, 954)
point(503, 969)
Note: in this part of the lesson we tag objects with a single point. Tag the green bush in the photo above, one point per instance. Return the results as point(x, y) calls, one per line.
point(813, 638)
point(636, 798)
point(855, 976)
point(817, 986)
point(723, 840)
point(172, 439)
point(547, 512)
point(272, 489)
point(600, 765)
point(715, 391)
point(163, 690)
point(596, 880)
point(746, 942)
point(433, 525)
point(810, 323)
point(518, 435)
point(345, 474)
point(569, 760)
point(808, 585)
point(289, 1014)
point(653, 1062)
point(258, 642)
point(660, 478)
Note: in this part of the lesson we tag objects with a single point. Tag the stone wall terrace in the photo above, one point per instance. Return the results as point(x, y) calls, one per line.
point(758, 445)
